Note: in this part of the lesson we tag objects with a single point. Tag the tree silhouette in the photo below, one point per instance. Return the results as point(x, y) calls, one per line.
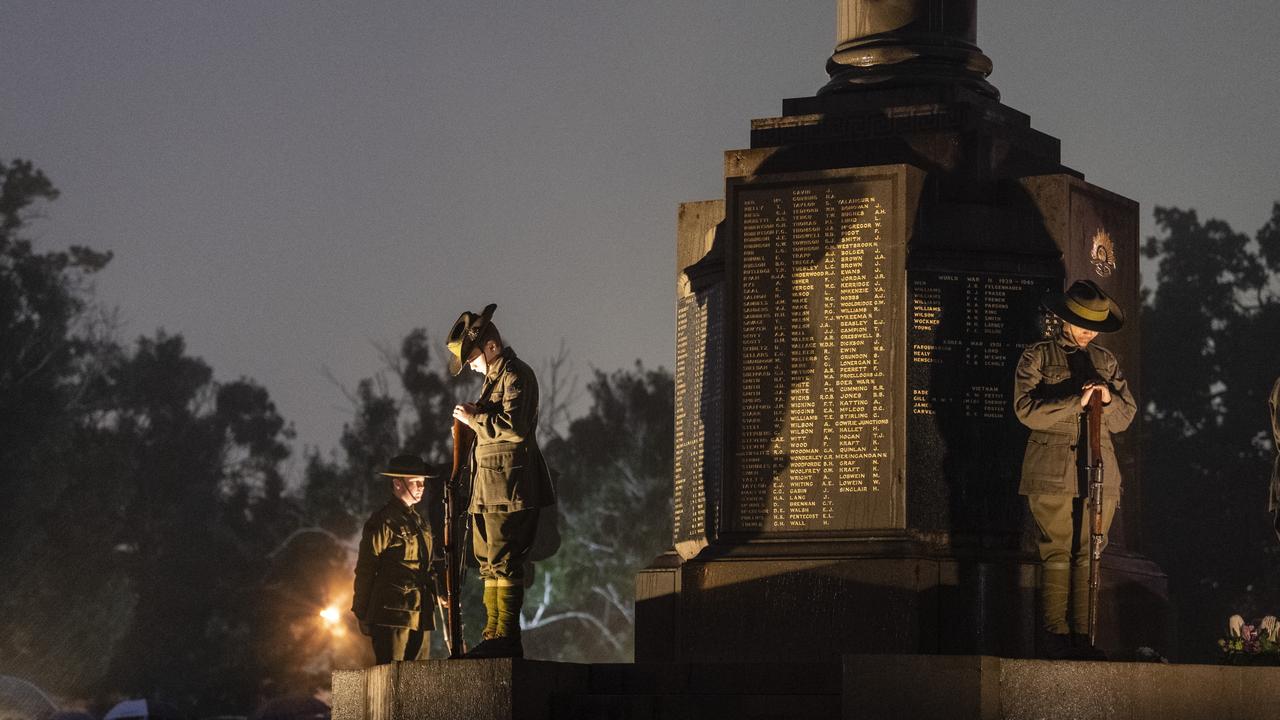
point(139, 497)
point(613, 473)
point(1211, 326)
point(48, 355)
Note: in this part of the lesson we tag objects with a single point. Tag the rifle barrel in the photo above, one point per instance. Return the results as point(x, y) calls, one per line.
point(462, 436)
point(1094, 470)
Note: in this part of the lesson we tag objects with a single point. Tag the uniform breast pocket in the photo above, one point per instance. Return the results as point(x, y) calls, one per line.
point(396, 540)
point(1055, 373)
point(408, 542)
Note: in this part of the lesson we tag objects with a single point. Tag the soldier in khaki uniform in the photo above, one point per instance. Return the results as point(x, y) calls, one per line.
point(510, 480)
point(1052, 386)
point(394, 592)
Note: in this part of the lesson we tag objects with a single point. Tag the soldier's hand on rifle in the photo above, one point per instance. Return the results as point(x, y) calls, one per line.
point(466, 412)
point(1088, 390)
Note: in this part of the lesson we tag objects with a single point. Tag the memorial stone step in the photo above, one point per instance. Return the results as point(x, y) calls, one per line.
point(697, 707)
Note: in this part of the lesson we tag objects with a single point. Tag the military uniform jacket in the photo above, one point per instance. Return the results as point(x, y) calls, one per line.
point(393, 586)
point(508, 472)
point(1046, 395)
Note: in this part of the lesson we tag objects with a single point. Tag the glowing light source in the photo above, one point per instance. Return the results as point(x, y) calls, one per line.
point(330, 615)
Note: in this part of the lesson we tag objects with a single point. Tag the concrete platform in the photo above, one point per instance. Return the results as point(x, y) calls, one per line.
point(533, 690)
point(861, 687)
point(986, 688)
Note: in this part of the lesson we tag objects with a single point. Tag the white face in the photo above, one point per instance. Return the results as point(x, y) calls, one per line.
point(1078, 335)
point(481, 358)
point(478, 363)
point(409, 489)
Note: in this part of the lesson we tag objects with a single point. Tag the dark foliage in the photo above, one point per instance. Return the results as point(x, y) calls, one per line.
point(613, 471)
point(139, 497)
point(1211, 329)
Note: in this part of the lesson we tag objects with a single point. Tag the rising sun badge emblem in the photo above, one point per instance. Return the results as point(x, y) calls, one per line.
point(1103, 254)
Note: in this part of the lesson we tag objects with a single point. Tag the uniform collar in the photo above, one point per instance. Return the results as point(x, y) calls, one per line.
point(1067, 346)
point(499, 364)
point(400, 505)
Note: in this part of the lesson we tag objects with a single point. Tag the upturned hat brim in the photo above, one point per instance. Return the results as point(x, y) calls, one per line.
point(464, 336)
point(1062, 305)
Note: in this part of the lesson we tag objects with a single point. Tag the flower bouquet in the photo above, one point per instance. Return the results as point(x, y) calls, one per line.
point(1255, 644)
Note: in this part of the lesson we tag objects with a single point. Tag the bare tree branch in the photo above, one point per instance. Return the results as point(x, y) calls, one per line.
point(610, 594)
point(311, 530)
point(560, 393)
point(576, 615)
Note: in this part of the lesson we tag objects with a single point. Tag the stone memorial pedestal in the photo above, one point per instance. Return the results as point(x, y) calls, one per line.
point(849, 317)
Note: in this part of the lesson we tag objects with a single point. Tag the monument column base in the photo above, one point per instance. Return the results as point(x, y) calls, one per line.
point(814, 605)
point(810, 602)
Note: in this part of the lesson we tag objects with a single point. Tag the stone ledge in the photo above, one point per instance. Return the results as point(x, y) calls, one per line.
point(450, 689)
point(929, 687)
point(867, 687)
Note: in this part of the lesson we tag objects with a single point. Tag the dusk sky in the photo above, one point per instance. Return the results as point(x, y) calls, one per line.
point(288, 183)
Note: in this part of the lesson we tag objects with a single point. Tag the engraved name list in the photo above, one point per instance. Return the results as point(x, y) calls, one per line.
point(813, 357)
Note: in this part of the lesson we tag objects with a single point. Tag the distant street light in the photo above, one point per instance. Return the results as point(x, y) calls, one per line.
point(331, 616)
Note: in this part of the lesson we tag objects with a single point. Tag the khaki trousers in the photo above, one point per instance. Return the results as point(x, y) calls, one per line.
point(501, 542)
point(1063, 524)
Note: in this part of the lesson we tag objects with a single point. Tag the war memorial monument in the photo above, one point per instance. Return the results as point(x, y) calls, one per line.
point(848, 537)
point(849, 319)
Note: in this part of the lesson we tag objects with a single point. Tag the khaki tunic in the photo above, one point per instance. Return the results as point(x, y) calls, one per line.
point(509, 472)
point(393, 586)
point(1047, 400)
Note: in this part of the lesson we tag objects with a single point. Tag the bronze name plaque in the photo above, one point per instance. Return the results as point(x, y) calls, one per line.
point(699, 413)
point(815, 268)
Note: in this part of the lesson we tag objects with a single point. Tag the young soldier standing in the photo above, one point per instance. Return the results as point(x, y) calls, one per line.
point(509, 478)
point(1052, 387)
point(394, 592)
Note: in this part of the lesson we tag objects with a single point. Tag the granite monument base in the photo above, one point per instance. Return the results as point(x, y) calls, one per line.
point(533, 690)
point(865, 687)
point(823, 601)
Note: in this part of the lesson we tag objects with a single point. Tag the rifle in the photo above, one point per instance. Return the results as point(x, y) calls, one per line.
point(462, 438)
point(1093, 471)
